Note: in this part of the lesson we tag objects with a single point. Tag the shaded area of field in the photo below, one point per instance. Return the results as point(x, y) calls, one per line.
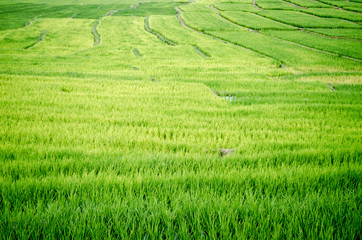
point(18, 15)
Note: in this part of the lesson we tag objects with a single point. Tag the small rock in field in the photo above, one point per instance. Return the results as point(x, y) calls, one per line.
point(226, 151)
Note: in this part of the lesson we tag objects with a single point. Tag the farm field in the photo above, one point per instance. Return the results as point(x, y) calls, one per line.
point(114, 115)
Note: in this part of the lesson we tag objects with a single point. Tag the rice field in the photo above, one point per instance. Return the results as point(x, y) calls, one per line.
point(180, 120)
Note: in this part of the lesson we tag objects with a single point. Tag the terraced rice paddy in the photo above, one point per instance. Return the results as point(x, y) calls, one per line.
point(113, 114)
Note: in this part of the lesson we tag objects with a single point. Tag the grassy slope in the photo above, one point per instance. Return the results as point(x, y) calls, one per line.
point(121, 140)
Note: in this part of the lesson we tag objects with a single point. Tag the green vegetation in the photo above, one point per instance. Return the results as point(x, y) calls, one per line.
point(228, 6)
point(309, 3)
point(346, 5)
point(342, 33)
point(334, 13)
point(254, 21)
point(144, 9)
point(341, 47)
point(303, 20)
point(205, 21)
point(198, 8)
point(113, 114)
point(276, 6)
point(20, 14)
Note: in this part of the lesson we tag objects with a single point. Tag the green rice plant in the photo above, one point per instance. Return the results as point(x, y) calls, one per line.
point(343, 33)
point(253, 21)
point(306, 20)
point(39, 39)
point(68, 35)
point(276, 6)
point(57, 200)
point(349, 6)
point(338, 46)
point(20, 14)
point(334, 13)
point(124, 140)
point(268, 1)
point(170, 27)
point(204, 21)
point(230, 6)
point(337, 78)
point(150, 8)
point(309, 3)
point(21, 38)
point(158, 35)
point(195, 7)
point(285, 52)
point(69, 2)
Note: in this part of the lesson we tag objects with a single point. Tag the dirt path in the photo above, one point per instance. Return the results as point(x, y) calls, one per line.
point(200, 52)
point(31, 21)
point(95, 33)
point(294, 5)
point(96, 36)
point(159, 36)
point(256, 6)
point(39, 39)
point(275, 20)
point(179, 10)
point(214, 8)
point(235, 24)
point(183, 24)
point(136, 52)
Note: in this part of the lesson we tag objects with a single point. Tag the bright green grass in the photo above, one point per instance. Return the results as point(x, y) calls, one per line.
point(121, 140)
